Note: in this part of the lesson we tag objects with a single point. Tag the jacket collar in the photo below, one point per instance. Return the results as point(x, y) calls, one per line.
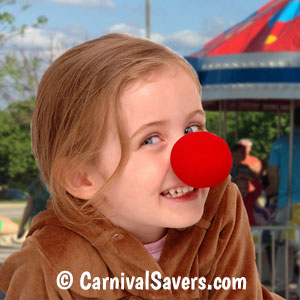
point(116, 244)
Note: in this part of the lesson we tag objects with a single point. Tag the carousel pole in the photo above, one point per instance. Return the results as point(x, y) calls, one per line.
point(289, 210)
point(291, 136)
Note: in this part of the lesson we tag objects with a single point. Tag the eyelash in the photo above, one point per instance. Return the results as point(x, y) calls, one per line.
point(200, 126)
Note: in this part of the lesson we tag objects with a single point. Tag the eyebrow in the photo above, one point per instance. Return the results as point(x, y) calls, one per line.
point(162, 122)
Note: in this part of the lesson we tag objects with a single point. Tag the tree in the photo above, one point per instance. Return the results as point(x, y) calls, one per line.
point(17, 164)
point(7, 22)
point(19, 76)
point(260, 127)
point(19, 72)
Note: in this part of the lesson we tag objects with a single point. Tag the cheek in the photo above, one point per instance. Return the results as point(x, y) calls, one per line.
point(145, 172)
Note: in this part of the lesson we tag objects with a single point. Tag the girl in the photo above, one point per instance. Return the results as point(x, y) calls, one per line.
point(121, 225)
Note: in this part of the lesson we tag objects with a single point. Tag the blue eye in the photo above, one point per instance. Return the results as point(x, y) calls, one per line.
point(192, 128)
point(151, 140)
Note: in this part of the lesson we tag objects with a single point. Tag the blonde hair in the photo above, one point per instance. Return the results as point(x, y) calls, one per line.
point(74, 97)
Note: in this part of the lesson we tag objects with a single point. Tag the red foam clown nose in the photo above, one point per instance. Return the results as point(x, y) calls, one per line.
point(201, 159)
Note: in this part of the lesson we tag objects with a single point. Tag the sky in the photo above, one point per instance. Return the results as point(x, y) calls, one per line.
point(182, 25)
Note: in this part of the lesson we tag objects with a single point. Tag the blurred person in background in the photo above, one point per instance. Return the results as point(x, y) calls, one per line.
point(257, 214)
point(278, 172)
point(238, 155)
point(278, 169)
point(251, 161)
point(36, 202)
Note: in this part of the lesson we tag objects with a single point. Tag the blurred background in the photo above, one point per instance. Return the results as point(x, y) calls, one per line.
point(33, 33)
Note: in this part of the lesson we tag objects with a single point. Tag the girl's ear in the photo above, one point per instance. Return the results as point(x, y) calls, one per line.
point(82, 182)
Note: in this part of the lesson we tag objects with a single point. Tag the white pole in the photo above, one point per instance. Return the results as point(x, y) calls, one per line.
point(148, 35)
point(291, 136)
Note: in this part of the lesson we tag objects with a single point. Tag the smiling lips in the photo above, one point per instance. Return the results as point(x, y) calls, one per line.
point(178, 192)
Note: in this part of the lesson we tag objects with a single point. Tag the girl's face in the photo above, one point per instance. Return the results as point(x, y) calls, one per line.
point(158, 113)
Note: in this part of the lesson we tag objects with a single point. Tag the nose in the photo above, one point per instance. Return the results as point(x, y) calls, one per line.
point(201, 159)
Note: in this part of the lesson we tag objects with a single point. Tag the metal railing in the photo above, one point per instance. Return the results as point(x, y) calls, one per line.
point(289, 236)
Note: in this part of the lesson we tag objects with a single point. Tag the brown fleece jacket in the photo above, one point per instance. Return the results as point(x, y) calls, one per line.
point(219, 245)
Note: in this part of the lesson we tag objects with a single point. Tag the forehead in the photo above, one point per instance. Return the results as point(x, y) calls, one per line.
point(166, 93)
point(245, 143)
point(172, 72)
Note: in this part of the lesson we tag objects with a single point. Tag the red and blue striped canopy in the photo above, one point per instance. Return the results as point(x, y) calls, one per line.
point(274, 27)
point(256, 63)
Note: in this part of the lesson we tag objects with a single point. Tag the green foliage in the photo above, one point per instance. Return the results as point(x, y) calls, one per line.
point(212, 121)
point(259, 127)
point(6, 18)
point(41, 20)
point(19, 72)
point(19, 76)
point(7, 21)
point(17, 164)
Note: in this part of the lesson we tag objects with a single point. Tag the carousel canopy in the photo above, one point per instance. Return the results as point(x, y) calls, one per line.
point(255, 65)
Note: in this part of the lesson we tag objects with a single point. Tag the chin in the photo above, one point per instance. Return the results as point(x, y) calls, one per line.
point(187, 221)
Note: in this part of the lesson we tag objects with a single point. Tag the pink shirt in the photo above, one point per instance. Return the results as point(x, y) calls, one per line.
point(156, 248)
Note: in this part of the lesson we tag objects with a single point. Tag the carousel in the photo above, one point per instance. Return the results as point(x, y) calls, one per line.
point(254, 66)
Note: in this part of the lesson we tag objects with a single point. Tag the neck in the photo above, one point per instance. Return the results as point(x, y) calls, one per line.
point(146, 234)
point(150, 237)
